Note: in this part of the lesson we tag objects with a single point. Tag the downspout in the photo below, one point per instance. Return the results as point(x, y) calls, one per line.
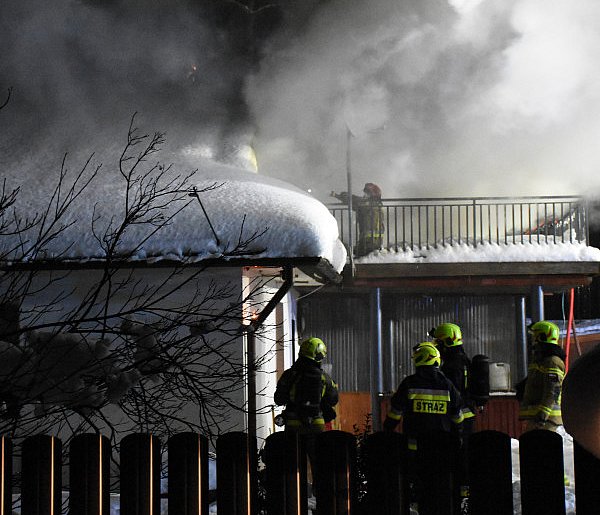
point(522, 352)
point(537, 304)
point(288, 281)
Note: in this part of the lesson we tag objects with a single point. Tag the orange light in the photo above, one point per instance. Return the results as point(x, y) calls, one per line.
point(51, 475)
point(199, 477)
point(2, 479)
point(100, 474)
point(151, 474)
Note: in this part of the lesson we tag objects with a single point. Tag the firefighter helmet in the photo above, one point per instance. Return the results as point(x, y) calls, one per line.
point(372, 190)
point(447, 334)
point(313, 348)
point(544, 332)
point(426, 354)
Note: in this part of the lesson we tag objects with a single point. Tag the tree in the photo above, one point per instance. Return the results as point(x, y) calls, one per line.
point(115, 352)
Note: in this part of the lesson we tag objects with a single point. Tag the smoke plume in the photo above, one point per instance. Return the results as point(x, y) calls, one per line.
point(442, 98)
point(427, 97)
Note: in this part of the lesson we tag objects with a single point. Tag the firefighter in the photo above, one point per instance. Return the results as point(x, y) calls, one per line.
point(308, 393)
point(456, 366)
point(474, 391)
point(369, 213)
point(540, 404)
point(426, 401)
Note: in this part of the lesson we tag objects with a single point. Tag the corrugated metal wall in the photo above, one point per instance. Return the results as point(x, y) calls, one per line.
point(343, 321)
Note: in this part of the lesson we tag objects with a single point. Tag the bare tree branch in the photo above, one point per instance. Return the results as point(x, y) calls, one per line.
point(106, 350)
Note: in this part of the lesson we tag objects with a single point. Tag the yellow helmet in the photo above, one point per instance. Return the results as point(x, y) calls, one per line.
point(313, 348)
point(544, 332)
point(447, 334)
point(426, 354)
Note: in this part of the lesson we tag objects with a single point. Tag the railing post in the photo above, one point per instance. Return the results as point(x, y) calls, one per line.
point(336, 490)
point(285, 466)
point(474, 222)
point(140, 475)
point(188, 474)
point(89, 475)
point(236, 474)
point(6, 462)
point(41, 476)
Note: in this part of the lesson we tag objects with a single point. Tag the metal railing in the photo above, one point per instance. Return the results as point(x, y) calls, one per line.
point(416, 223)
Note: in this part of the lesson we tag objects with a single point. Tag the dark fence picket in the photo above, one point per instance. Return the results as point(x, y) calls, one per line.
point(436, 471)
point(89, 475)
point(386, 474)
point(542, 473)
point(188, 474)
point(388, 469)
point(41, 478)
point(490, 473)
point(285, 474)
point(237, 481)
point(587, 475)
point(140, 474)
point(336, 473)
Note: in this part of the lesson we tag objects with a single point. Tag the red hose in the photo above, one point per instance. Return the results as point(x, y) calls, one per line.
point(569, 328)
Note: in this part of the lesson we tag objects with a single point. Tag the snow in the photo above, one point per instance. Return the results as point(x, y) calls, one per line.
point(569, 473)
point(288, 222)
point(488, 252)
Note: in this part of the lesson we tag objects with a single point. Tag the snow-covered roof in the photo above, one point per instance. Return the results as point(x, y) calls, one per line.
point(290, 223)
point(275, 219)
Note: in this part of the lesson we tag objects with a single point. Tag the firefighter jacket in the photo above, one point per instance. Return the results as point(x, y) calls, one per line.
point(309, 395)
point(543, 387)
point(370, 219)
point(426, 402)
point(456, 366)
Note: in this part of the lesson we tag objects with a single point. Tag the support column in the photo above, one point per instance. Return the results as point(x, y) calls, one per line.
point(521, 337)
point(376, 358)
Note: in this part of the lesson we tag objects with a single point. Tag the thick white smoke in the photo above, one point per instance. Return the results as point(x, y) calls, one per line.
point(443, 97)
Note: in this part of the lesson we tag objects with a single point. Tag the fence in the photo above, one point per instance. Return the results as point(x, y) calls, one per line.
point(416, 223)
point(371, 479)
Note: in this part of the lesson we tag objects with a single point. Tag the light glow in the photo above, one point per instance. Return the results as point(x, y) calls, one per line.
point(151, 497)
point(51, 475)
point(2, 479)
point(100, 474)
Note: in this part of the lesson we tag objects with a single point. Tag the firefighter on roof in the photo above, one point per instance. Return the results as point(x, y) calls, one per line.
point(540, 404)
point(369, 214)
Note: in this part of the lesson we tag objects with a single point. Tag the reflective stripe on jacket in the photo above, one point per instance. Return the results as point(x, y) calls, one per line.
point(542, 395)
point(426, 401)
